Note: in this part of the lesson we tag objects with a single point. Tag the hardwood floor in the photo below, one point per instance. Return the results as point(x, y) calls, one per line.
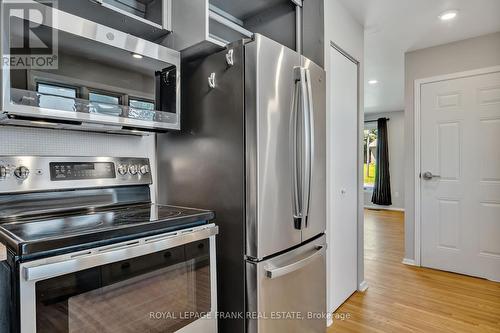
point(403, 298)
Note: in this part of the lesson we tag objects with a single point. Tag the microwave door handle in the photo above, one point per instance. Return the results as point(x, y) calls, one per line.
point(309, 117)
point(275, 272)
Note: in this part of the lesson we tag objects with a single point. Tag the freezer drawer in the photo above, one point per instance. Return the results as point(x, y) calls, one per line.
point(288, 293)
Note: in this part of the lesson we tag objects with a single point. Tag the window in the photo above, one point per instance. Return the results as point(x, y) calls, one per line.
point(370, 153)
point(50, 89)
point(141, 104)
point(103, 98)
point(62, 97)
point(105, 103)
point(56, 97)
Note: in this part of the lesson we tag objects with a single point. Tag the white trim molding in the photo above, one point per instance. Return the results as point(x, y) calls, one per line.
point(417, 111)
point(363, 286)
point(409, 262)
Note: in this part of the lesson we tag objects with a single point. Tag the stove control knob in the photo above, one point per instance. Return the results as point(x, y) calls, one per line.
point(3, 171)
point(144, 169)
point(122, 169)
point(132, 169)
point(22, 172)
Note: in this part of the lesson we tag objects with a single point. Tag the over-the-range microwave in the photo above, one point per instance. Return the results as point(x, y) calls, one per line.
point(65, 72)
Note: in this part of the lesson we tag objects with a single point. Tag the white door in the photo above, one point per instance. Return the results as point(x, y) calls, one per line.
point(343, 185)
point(460, 144)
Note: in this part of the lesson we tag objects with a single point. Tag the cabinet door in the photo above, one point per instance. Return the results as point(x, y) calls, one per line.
point(343, 178)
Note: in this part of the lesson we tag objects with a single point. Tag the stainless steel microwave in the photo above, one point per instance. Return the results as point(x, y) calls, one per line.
point(63, 71)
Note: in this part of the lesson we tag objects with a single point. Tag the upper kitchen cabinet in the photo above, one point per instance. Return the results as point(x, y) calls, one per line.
point(72, 73)
point(149, 19)
point(201, 27)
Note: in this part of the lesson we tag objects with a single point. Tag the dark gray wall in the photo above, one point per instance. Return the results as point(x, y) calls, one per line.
point(313, 31)
point(203, 166)
point(277, 23)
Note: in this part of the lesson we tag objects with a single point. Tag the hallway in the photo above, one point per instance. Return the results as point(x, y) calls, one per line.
point(402, 298)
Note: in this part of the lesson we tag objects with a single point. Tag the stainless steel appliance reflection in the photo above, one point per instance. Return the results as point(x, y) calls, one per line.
point(252, 146)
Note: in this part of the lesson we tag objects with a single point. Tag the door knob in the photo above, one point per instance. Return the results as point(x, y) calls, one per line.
point(428, 175)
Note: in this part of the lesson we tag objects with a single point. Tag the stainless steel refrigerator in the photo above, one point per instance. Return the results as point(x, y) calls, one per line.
point(252, 148)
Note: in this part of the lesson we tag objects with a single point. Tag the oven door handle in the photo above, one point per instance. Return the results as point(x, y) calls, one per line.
point(75, 262)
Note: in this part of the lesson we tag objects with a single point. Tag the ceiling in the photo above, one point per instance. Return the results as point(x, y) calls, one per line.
point(393, 27)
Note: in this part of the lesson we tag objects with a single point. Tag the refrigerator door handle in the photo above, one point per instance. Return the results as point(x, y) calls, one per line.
point(309, 125)
point(302, 145)
point(293, 151)
point(276, 272)
point(306, 125)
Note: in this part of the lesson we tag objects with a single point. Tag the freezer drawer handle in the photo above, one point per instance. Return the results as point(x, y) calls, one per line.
point(320, 250)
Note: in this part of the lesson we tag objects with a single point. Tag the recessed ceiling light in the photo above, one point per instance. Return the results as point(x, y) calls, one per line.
point(137, 56)
point(373, 82)
point(448, 15)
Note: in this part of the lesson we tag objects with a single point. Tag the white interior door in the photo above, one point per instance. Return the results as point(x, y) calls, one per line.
point(460, 144)
point(343, 185)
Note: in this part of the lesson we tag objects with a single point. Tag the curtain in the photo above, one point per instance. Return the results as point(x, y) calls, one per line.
point(382, 189)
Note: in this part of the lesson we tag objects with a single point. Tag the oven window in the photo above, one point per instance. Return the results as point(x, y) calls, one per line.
point(127, 296)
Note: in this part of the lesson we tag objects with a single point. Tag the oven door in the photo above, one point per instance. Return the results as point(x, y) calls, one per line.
point(164, 283)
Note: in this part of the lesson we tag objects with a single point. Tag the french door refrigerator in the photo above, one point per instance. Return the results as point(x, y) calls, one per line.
point(252, 148)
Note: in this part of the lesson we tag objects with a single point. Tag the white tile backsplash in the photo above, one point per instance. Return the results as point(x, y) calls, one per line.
point(39, 141)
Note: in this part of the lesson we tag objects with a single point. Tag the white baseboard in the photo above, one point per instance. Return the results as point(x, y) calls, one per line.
point(363, 286)
point(329, 321)
point(396, 209)
point(409, 262)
